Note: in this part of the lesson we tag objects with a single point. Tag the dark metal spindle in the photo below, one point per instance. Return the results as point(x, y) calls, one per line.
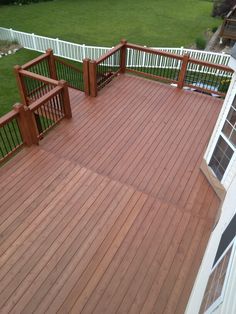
point(17, 132)
point(10, 132)
point(3, 141)
point(7, 140)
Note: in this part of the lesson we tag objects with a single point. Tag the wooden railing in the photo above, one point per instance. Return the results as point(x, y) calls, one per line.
point(70, 73)
point(50, 109)
point(228, 29)
point(32, 76)
point(153, 63)
point(207, 77)
point(157, 65)
point(11, 138)
point(32, 86)
point(26, 125)
point(98, 73)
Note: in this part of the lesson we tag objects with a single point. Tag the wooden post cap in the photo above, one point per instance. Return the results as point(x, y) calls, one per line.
point(17, 67)
point(62, 83)
point(49, 50)
point(18, 106)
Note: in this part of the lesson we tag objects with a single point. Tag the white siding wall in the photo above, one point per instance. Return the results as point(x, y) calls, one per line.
point(229, 304)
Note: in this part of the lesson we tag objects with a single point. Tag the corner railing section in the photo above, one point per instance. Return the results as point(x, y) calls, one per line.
point(26, 125)
point(50, 109)
point(32, 86)
point(48, 66)
point(104, 69)
point(183, 71)
point(152, 63)
point(207, 77)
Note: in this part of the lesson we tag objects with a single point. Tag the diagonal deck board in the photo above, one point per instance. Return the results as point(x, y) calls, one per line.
point(111, 212)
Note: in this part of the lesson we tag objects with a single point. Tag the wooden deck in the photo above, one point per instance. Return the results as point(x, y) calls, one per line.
point(110, 213)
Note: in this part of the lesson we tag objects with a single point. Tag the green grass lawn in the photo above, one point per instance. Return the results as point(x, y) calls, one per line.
point(172, 23)
point(8, 89)
point(103, 23)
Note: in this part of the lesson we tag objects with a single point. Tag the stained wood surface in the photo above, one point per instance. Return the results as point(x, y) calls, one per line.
point(110, 213)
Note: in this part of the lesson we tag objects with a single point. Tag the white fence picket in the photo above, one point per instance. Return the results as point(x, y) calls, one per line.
point(78, 52)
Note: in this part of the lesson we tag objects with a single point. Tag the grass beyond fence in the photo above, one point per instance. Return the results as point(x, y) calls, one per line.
point(9, 94)
point(155, 23)
point(102, 23)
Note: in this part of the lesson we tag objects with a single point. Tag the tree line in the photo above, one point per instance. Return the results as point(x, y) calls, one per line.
point(222, 7)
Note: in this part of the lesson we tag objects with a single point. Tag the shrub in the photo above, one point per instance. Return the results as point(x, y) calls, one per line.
point(7, 43)
point(224, 85)
point(200, 43)
point(214, 29)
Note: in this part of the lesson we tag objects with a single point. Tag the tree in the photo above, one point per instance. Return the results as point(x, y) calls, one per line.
point(222, 7)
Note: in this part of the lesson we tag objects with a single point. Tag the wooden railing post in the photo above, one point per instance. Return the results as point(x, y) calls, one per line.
point(183, 71)
point(123, 56)
point(86, 76)
point(66, 99)
point(51, 63)
point(27, 124)
point(20, 84)
point(93, 78)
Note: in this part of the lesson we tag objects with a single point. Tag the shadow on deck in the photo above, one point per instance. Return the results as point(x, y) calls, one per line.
point(111, 212)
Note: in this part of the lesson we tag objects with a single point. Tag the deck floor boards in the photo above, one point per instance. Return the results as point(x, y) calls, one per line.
point(110, 213)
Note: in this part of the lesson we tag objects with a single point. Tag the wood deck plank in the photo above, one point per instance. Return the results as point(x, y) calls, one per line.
point(131, 243)
point(111, 212)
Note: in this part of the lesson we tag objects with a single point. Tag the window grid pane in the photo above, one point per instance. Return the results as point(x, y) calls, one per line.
point(221, 158)
point(216, 282)
point(229, 128)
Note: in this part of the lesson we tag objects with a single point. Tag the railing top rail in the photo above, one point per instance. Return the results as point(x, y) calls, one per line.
point(39, 77)
point(154, 51)
point(230, 20)
point(211, 65)
point(42, 100)
point(110, 53)
point(231, 11)
point(35, 61)
point(8, 117)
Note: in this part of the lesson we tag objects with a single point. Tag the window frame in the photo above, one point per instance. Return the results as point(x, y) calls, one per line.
point(220, 299)
point(230, 160)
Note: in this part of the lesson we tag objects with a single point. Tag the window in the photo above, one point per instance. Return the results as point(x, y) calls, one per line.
point(226, 145)
point(214, 291)
point(226, 238)
point(221, 157)
point(229, 128)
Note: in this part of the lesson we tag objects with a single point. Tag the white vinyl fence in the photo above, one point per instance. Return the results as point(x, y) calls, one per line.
point(78, 52)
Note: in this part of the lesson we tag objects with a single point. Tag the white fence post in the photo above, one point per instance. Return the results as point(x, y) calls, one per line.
point(83, 52)
point(58, 47)
point(12, 35)
point(34, 42)
point(144, 57)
